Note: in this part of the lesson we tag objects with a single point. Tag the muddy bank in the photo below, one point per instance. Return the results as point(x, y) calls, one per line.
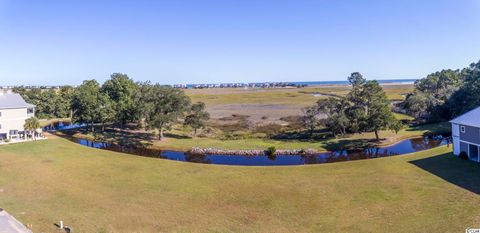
point(215, 151)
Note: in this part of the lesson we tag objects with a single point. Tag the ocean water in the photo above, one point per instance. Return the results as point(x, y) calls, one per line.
point(314, 83)
point(395, 81)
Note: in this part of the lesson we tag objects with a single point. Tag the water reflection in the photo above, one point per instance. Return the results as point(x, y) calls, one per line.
point(60, 125)
point(403, 147)
point(197, 158)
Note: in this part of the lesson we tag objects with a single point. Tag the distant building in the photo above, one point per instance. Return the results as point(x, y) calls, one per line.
point(13, 113)
point(466, 134)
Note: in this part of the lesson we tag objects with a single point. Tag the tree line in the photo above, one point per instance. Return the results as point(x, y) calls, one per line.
point(364, 109)
point(444, 95)
point(49, 103)
point(119, 101)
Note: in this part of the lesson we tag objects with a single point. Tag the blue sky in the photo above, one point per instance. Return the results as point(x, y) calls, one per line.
point(204, 41)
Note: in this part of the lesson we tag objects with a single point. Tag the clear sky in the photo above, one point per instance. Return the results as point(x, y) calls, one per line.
point(203, 41)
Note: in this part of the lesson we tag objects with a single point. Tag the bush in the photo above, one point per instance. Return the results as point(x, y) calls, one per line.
point(235, 135)
point(271, 151)
point(463, 155)
point(269, 129)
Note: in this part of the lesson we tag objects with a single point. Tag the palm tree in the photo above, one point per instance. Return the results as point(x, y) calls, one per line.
point(31, 124)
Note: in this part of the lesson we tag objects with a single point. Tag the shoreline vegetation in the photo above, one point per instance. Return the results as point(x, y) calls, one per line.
point(253, 146)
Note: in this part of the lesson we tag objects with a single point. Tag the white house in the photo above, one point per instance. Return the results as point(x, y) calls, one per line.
point(466, 134)
point(13, 113)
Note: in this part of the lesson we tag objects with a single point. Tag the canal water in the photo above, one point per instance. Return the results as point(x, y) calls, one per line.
point(403, 147)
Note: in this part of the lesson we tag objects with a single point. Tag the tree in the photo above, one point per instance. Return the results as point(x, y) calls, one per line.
point(468, 95)
point(46, 103)
point(379, 115)
point(198, 117)
point(335, 109)
point(105, 110)
point(165, 106)
point(309, 119)
point(357, 82)
point(430, 99)
point(31, 125)
point(91, 106)
point(63, 103)
point(415, 104)
point(49, 103)
point(355, 111)
point(121, 90)
point(144, 99)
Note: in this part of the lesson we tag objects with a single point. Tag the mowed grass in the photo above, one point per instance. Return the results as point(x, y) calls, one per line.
point(94, 190)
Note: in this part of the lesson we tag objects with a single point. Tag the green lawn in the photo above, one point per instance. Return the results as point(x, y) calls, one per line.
point(98, 191)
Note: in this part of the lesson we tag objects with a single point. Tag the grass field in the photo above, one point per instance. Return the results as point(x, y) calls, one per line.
point(99, 191)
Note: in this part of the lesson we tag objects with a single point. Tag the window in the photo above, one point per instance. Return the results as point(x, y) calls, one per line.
point(462, 129)
point(0, 126)
point(29, 110)
point(0, 114)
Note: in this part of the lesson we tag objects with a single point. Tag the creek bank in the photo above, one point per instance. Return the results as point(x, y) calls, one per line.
point(215, 151)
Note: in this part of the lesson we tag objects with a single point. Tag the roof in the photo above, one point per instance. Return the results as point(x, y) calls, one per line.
point(471, 118)
point(13, 101)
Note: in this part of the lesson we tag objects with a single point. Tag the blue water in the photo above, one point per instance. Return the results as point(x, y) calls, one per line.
point(62, 126)
point(403, 147)
point(382, 81)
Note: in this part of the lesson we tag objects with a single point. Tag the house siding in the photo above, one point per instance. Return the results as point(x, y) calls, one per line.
point(472, 134)
point(13, 119)
point(463, 147)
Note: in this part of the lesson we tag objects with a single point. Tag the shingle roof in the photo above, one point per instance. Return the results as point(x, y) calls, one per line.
point(13, 101)
point(471, 118)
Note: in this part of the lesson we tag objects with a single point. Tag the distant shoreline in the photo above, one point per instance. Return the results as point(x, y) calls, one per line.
point(287, 84)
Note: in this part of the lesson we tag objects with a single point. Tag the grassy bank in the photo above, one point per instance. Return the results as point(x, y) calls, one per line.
point(99, 191)
point(45, 122)
point(350, 141)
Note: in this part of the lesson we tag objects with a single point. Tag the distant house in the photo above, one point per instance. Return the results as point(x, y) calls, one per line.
point(13, 113)
point(466, 134)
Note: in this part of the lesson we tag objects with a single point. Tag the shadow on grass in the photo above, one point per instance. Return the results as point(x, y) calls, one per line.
point(435, 128)
point(349, 144)
point(115, 136)
point(176, 136)
point(303, 136)
point(463, 173)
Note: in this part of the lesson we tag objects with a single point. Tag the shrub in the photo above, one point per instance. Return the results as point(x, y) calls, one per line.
point(271, 151)
point(235, 135)
point(269, 129)
point(259, 135)
point(463, 155)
